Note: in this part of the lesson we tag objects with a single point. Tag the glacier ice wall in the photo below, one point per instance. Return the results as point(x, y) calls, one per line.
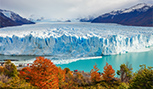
point(71, 41)
point(73, 46)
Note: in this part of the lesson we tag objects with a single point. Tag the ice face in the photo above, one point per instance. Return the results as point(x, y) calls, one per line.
point(74, 39)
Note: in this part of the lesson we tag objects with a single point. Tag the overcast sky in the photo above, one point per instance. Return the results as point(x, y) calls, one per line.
point(66, 8)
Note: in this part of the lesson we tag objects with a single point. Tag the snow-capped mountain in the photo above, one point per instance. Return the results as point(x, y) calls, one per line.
point(138, 15)
point(9, 18)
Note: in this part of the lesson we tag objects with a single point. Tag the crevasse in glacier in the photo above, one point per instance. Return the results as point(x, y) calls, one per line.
point(73, 41)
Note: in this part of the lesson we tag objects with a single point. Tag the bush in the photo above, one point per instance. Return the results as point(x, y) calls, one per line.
point(4, 79)
point(10, 69)
point(66, 70)
point(123, 86)
point(14, 83)
point(143, 79)
point(1, 70)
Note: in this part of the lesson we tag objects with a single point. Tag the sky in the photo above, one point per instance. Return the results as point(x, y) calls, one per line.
point(66, 8)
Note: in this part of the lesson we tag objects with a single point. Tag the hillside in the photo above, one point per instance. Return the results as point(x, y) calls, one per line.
point(138, 15)
point(9, 18)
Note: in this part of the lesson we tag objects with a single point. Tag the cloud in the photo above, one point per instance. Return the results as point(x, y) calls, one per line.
point(66, 8)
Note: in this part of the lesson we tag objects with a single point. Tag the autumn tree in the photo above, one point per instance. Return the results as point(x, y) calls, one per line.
point(125, 72)
point(95, 76)
point(109, 72)
point(25, 73)
point(61, 77)
point(43, 73)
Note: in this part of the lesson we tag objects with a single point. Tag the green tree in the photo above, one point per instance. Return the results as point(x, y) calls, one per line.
point(10, 69)
point(125, 72)
point(143, 79)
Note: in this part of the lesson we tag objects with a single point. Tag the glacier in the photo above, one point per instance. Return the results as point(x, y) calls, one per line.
point(74, 40)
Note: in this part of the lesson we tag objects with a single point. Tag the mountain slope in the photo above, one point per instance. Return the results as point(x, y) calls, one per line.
point(9, 18)
point(139, 15)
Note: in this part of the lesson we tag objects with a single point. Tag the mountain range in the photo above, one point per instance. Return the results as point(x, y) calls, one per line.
point(9, 18)
point(138, 15)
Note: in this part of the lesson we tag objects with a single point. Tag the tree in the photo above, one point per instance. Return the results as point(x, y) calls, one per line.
point(109, 72)
point(95, 76)
point(143, 79)
point(125, 72)
point(61, 77)
point(43, 73)
point(25, 73)
point(10, 69)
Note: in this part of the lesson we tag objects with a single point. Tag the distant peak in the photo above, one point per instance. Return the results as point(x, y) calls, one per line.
point(140, 5)
point(143, 4)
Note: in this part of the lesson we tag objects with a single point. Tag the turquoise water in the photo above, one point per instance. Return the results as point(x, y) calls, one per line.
point(134, 58)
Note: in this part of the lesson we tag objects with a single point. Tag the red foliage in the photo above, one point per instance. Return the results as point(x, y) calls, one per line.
point(25, 73)
point(43, 73)
point(95, 76)
point(109, 72)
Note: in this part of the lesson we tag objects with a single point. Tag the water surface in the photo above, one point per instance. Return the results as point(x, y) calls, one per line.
point(135, 58)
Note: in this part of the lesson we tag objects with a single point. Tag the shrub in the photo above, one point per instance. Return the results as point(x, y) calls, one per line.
point(1, 70)
point(10, 69)
point(66, 70)
point(16, 83)
point(123, 86)
point(143, 79)
point(4, 79)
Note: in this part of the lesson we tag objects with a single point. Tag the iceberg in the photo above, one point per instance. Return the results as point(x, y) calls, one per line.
point(74, 40)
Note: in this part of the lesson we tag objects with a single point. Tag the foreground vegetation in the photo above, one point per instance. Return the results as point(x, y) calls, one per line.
point(43, 74)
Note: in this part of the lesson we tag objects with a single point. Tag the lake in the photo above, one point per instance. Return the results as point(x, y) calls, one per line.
point(134, 58)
